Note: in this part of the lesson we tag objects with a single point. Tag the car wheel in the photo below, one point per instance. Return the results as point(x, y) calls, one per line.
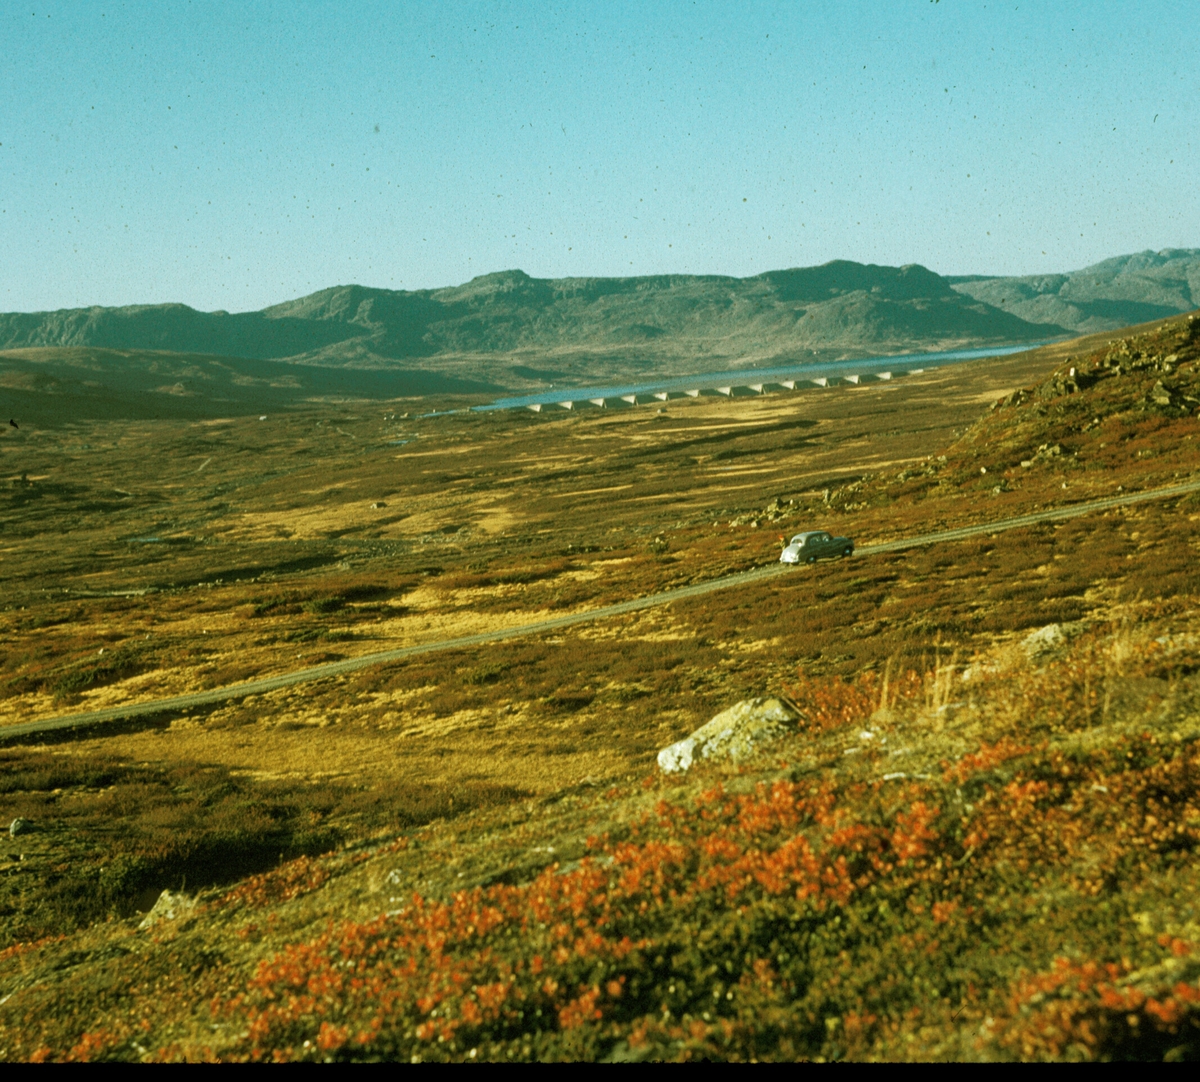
point(812, 560)
point(848, 550)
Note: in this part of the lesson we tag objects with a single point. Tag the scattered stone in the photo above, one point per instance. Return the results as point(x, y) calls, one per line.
point(734, 734)
point(19, 826)
point(170, 906)
point(1042, 641)
point(778, 509)
point(976, 671)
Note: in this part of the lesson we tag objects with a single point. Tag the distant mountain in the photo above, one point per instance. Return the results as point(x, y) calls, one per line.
point(1116, 293)
point(510, 329)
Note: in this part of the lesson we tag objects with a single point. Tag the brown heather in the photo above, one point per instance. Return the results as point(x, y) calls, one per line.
point(966, 852)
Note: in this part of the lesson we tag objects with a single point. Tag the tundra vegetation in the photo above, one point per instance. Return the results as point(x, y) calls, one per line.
point(978, 844)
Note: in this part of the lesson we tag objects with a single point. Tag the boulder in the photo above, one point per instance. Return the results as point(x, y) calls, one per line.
point(170, 906)
point(734, 734)
point(19, 826)
point(1043, 641)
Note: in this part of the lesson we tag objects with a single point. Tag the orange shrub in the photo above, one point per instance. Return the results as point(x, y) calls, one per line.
point(801, 919)
point(282, 884)
point(831, 703)
point(1084, 1009)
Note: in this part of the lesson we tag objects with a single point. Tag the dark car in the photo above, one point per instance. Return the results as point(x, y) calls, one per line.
point(815, 545)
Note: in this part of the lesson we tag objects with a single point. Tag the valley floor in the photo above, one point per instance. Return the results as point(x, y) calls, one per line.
point(945, 862)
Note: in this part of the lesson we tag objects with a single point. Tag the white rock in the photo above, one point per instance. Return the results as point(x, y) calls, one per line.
point(19, 826)
point(170, 906)
point(734, 734)
point(1043, 640)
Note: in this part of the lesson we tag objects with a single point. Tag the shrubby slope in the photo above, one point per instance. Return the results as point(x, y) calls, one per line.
point(981, 857)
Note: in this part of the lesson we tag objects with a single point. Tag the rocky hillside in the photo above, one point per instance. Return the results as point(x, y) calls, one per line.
point(513, 331)
point(509, 327)
point(1118, 292)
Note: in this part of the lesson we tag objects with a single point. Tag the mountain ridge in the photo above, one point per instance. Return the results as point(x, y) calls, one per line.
point(1117, 292)
point(598, 326)
point(509, 329)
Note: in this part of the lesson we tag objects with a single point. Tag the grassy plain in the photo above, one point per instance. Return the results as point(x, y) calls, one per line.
point(147, 558)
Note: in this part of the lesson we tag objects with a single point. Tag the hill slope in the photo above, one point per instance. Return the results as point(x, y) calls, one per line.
point(1118, 292)
point(990, 861)
point(50, 384)
point(492, 327)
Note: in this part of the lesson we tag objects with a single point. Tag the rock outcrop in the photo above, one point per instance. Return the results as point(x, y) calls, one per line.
point(734, 734)
point(1043, 641)
point(19, 826)
point(170, 906)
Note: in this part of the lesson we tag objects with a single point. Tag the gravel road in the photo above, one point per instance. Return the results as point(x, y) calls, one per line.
point(90, 718)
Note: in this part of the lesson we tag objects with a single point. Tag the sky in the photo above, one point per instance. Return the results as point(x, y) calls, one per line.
point(235, 155)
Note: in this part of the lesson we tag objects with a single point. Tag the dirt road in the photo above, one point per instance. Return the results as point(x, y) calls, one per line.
point(88, 719)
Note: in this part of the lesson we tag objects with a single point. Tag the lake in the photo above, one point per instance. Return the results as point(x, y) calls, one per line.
point(741, 377)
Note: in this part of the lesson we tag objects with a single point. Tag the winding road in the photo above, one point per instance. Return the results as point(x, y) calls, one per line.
point(90, 718)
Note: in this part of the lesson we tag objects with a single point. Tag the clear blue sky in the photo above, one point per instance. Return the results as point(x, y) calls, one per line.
point(233, 155)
